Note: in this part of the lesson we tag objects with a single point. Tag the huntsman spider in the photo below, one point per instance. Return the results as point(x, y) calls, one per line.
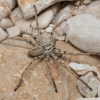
point(46, 51)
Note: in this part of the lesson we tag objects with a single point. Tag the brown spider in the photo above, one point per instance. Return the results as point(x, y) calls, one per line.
point(46, 50)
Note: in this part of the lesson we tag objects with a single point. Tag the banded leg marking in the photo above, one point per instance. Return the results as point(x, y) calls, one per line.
point(54, 84)
point(68, 53)
point(35, 58)
point(74, 73)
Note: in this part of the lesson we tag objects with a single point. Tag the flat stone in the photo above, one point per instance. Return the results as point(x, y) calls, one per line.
point(27, 6)
point(44, 19)
point(13, 31)
point(84, 32)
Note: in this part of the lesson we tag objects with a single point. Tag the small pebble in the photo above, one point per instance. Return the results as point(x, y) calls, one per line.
point(49, 29)
point(61, 38)
point(59, 31)
point(13, 31)
point(6, 23)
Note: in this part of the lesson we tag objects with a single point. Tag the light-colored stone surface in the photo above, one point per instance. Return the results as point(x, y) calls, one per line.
point(37, 82)
point(5, 9)
point(16, 14)
point(6, 23)
point(83, 32)
point(92, 82)
point(13, 3)
point(44, 19)
point(13, 31)
point(93, 9)
point(99, 90)
point(65, 13)
point(24, 25)
point(3, 34)
point(48, 29)
point(59, 31)
point(27, 6)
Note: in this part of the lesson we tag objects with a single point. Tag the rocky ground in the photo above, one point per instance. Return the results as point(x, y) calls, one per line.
point(78, 33)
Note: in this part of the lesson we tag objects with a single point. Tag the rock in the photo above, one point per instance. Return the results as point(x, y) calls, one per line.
point(63, 26)
point(13, 31)
point(44, 19)
point(83, 32)
point(5, 9)
point(82, 69)
point(48, 29)
point(93, 9)
point(13, 3)
point(37, 81)
point(61, 38)
point(16, 14)
point(3, 34)
point(89, 99)
point(59, 31)
point(24, 25)
point(65, 13)
point(6, 23)
point(27, 6)
point(92, 82)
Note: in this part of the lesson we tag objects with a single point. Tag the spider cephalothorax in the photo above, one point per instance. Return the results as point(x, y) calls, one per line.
point(45, 50)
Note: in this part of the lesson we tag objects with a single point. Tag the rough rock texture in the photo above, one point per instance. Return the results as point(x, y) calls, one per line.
point(93, 9)
point(5, 9)
point(27, 6)
point(37, 82)
point(84, 32)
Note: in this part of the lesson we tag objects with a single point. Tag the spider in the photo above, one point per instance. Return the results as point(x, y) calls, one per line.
point(46, 51)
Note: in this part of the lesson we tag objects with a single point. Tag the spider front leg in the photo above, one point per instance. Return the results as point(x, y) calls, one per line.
point(68, 53)
point(54, 84)
point(74, 73)
point(35, 58)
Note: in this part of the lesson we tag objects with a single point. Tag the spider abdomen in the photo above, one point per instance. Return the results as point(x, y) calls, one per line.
point(37, 51)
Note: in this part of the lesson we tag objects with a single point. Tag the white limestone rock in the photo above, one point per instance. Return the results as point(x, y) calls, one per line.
point(27, 6)
point(93, 9)
point(3, 34)
point(16, 14)
point(6, 23)
point(13, 31)
point(92, 82)
point(84, 32)
point(44, 19)
point(99, 90)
